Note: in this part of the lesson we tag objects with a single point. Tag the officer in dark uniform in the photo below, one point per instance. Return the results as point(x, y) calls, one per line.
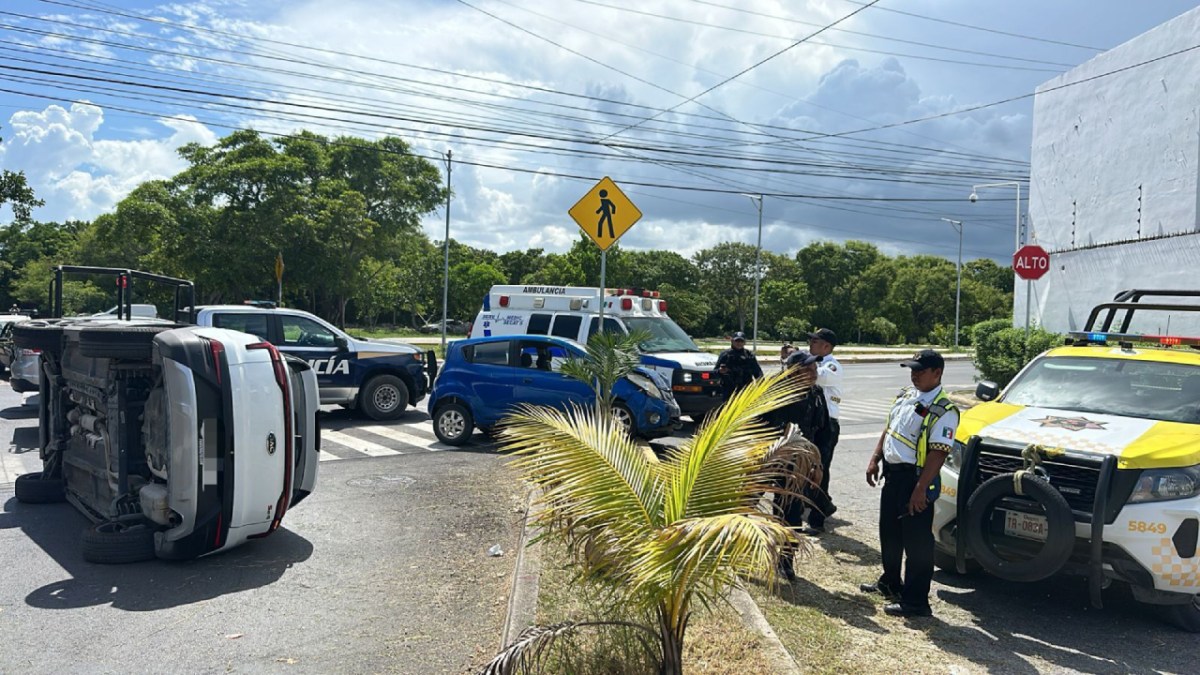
point(811, 415)
point(737, 366)
point(920, 434)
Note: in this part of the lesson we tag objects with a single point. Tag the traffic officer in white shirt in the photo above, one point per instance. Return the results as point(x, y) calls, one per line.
point(829, 378)
point(919, 435)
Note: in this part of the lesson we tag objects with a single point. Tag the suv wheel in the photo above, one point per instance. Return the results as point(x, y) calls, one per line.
point(119, 342)
point(114, 543)
point(384, 398)
point(453, 424)
point(1186, 616)
point(32, 488)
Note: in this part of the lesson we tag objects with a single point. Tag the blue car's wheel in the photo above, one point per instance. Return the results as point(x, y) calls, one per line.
point(625, 418)
point(453, 424)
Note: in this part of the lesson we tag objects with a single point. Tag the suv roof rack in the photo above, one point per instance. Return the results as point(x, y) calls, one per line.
point(185, 291)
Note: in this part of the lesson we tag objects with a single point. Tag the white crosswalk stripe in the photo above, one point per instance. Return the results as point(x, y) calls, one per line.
point(13, 464)
point(364, 446)
point(398, 433)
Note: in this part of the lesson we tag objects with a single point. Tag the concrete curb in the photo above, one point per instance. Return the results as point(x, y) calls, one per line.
point(523, 598)
point(752, 617)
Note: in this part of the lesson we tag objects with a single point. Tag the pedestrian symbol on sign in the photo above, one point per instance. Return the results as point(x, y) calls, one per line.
point(605, 213)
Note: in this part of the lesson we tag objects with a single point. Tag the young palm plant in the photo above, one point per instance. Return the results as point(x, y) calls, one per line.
point(661, 536)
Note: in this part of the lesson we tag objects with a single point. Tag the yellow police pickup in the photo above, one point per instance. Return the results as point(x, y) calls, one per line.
point(1088, 463)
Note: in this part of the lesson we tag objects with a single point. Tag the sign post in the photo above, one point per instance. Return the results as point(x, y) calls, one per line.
point(604, 214)
point(1030, 262)
point(279, 279)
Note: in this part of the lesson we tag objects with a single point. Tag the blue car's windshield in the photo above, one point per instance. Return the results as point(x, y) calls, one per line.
point(665, 335)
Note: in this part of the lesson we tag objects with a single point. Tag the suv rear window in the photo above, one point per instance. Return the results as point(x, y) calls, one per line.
point(491, 353)
point(567, 325)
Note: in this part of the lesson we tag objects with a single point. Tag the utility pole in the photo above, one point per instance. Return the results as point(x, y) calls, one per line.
point(957, 225)
point(446, 256)
point(758, 202)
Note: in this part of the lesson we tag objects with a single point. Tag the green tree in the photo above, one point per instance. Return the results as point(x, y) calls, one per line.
point(988, 273)
point(469, 282)
point(687, 307)
point(832, 273)
point(520, 265)
point(921, 295)
point(586, 255)
point(654, 269)
point(727, 276)
point(420, 275)
point(558, 270)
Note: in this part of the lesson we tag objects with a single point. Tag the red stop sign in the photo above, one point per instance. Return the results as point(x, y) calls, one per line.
point(1031, 262)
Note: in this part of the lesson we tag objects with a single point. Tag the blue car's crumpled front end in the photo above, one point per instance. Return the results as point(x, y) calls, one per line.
point(648, 394)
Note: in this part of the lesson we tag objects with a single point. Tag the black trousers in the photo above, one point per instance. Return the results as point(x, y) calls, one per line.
point(822, 503)
point(905, 538)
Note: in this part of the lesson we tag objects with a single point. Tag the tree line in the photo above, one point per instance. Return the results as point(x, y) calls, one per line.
point(345, 213)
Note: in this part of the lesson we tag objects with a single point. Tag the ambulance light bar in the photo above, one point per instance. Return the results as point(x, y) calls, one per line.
point(1097, 337)
point(633, 291)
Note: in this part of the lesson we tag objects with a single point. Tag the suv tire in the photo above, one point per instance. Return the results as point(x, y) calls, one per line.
point(1060, 528)
point(120, 342)
point(32, 488)
point(384, 398)
point(115, 543)
point(40, 335)
point(946, 563)
point(453, 424)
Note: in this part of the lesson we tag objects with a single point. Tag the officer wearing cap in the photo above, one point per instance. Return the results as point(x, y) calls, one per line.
point(919, 435)
point(829, 376)
point(737, 366)
point(811, 415)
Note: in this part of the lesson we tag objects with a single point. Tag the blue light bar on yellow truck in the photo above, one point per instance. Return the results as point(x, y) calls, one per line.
point(1099, 337)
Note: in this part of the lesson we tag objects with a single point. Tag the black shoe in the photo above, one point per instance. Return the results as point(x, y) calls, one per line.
point(882, 589)
point(787, 569)
point(813, 530)
point(906, 611)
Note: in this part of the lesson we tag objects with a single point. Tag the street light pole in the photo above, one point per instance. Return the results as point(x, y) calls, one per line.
point(758, 202)
point(446, 256)
point(1028, 284)
point(957, 224)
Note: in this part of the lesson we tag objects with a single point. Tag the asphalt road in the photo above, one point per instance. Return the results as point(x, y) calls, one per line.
point(385, 568)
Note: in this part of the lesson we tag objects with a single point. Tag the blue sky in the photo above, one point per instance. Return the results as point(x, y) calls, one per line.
point(539, 99)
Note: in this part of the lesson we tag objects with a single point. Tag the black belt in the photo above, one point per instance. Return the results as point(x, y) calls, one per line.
point(900, 466)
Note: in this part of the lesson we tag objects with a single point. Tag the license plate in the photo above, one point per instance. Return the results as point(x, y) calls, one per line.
point(1025, 525)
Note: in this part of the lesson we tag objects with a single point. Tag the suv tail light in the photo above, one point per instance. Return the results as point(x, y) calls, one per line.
point(30, 352)
point(281, 379)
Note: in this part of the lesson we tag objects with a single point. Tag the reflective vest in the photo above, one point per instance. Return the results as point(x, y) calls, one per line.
point(940, 406)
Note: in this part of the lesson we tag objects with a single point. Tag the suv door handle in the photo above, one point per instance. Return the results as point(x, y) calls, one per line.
point(526, 380)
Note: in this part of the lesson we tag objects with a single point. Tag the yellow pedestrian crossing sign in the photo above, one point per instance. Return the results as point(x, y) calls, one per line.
point(605, 213)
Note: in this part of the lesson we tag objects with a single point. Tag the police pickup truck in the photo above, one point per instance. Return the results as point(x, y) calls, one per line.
point(380, 379)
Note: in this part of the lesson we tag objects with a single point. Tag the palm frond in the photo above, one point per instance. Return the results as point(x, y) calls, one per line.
point(711, 469)
point(598, 487)
point(608, 358)
point(524, 655)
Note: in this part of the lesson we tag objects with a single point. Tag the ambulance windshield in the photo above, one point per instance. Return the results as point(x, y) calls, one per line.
point(665, 335)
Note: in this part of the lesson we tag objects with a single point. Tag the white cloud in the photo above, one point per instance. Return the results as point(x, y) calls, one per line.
point(78, 173)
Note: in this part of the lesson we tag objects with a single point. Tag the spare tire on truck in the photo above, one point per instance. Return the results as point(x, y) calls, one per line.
point(45, 336)
point(1060, 528)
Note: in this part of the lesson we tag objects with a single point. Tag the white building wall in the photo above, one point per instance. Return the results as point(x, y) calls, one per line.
point(1115, 163)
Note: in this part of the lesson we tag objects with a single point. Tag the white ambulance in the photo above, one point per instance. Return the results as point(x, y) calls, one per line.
point(573, 313)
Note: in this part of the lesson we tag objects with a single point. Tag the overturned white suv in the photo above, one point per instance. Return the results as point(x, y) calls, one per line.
point(175, 440)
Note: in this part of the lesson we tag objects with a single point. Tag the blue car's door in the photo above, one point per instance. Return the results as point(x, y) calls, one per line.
point(491, 381)
point(538, 381)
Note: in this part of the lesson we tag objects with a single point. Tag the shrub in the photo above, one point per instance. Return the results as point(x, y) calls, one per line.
point(943, 335)
point(1001, 354)
point(791, 329)
point(881, 331)
point(982, 329)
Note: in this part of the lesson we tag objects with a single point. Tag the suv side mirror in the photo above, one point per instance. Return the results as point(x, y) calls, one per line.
point(987, 390)
point(341, 343)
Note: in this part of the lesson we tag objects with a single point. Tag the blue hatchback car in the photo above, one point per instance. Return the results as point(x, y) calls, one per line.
point(482, 379)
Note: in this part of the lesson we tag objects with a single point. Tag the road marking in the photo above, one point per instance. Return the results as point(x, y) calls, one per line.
point(365, 447)
point(13, 464)
point(327, 456)
point(396, 434)
point(859, 437)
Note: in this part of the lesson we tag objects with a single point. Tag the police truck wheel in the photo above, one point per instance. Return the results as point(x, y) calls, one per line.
point(1060, 529)
point(624, 416)
point(32, 488)
point(384, 398)
point(1185, 616)
point(945, 562)
point(453, 424)
point(120, 342)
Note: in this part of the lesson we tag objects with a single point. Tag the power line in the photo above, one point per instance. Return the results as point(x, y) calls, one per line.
point(748, 68)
